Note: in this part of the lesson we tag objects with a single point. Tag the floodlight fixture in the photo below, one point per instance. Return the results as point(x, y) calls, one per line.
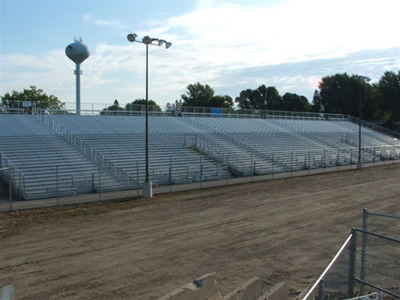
point(132, 37)
point(147, 40)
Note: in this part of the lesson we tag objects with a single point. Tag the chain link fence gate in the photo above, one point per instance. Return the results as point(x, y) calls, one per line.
point(367, 266)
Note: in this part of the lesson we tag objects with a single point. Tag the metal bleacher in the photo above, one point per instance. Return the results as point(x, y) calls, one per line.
point(49, 155)
point(37, 154)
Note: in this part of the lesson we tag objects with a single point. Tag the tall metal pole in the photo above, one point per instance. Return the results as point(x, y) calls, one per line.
point(147, 186)
point(78, 88)
point(147, 113)
point(359, 163)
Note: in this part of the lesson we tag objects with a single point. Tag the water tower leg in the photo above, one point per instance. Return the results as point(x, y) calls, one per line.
point(78, 73)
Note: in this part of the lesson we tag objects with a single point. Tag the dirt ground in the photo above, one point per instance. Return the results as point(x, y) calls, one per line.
point(285, 229)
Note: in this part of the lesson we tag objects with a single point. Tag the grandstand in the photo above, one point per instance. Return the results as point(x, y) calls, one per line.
point(66, 154)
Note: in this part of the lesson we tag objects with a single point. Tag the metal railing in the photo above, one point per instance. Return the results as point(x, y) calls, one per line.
point(385, 224)
point(380, 272)
point(89, 152)
point(342, 278)
point(373, 127)
point(14, 176)
point(321, 286)
point(169, 110)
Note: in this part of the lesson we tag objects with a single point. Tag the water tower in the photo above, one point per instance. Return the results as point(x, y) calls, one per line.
point(77, 52)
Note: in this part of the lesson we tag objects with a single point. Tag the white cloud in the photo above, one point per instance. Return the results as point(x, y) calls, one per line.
point(292, 31)
point(230, 46)
point(88, 18)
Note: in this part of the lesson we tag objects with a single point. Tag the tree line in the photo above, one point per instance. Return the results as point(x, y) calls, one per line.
point(338, 93)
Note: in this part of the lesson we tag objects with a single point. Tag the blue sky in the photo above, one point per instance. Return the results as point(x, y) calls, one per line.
point(230, 45)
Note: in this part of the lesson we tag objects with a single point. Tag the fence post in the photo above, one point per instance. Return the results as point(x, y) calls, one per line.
point(92, 182)
point(272, 168)
point(309, 162)
point(229, 174)
point(10, 188)
point(351, 158)
point(251, 165)
point(393, 157)
point(201, 174)
point(363, 249)
point(291, 164)
point(351, 262)
point(374, 155)
point(170, 175)
point(137, 178)
point(99, 182)
point(321, 290)
point(57, 185)
point(363, 156)
point(20, 185)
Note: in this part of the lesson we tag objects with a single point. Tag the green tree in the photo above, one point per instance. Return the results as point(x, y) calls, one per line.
point(316, 103)
point(265, 98)
point(114, 108)
point(202, 95)
point(38, 99)
point(389, 91)
point(198, 95)
point(138, 105)
point(294, 102)
point(340, 93)
point(224, 101)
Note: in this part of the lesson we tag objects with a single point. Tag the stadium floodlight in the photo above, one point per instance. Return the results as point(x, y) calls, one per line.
point(362, 79)
point(147, 40)
point(132, 37)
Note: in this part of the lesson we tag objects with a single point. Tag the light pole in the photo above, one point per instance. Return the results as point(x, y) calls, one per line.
point(359, 162)
point(147, 186)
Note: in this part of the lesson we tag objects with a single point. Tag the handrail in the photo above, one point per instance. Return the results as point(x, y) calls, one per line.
point(10, 162)
point(373, 126)
point(92, 112)
point(79, 143)
point(21, 184)
point(328, 267)
point(210, 114)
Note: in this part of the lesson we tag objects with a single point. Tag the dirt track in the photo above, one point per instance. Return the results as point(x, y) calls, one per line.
point(285, 229)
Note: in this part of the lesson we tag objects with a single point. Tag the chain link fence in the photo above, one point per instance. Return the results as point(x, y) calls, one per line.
point(375, 262)
point(385, 224)
point(366, 267)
